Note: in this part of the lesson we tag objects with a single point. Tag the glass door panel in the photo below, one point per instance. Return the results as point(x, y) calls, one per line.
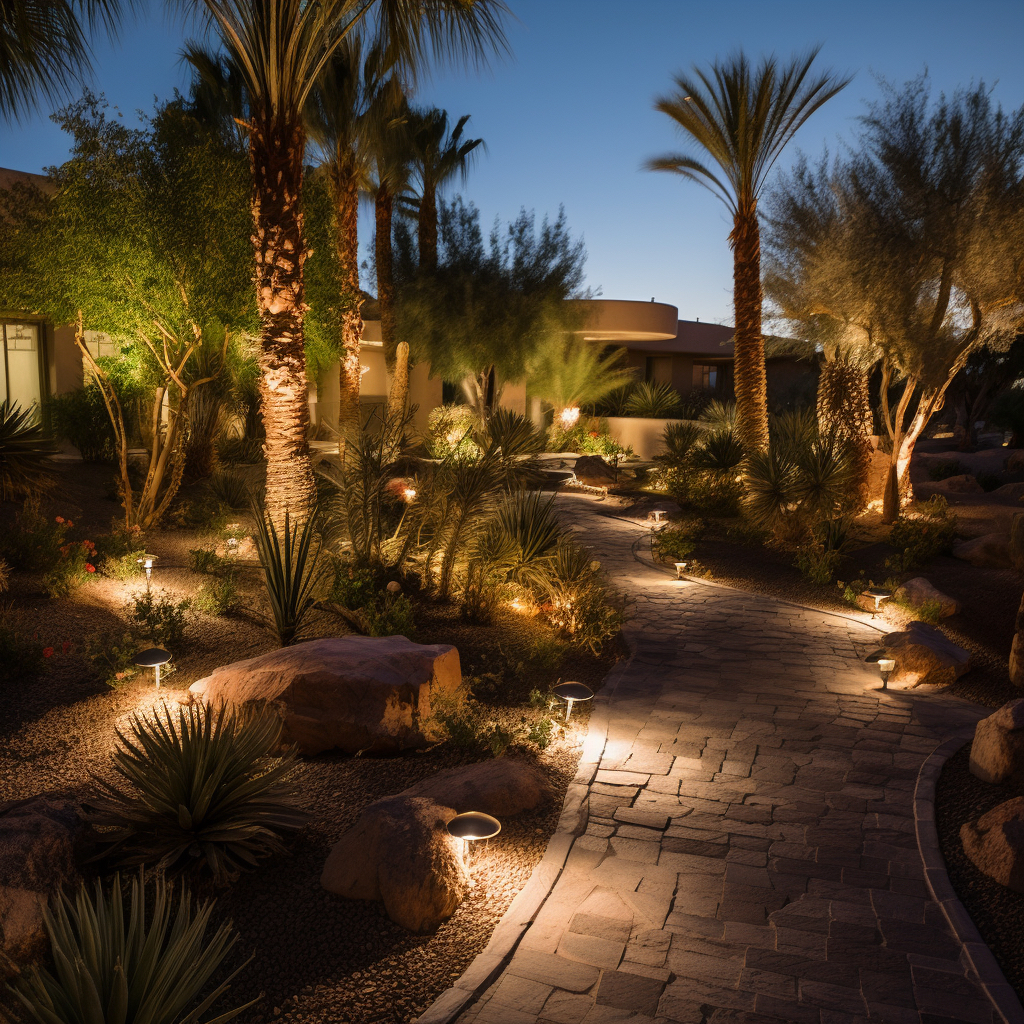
point(21, 365)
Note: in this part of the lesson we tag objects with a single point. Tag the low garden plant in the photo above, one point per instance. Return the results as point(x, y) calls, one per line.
point(920, 533)
point(157, 618)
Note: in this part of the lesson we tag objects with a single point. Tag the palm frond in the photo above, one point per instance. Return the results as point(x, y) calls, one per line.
point(25, 451)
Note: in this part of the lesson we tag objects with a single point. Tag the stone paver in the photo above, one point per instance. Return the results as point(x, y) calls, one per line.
point(750, 851)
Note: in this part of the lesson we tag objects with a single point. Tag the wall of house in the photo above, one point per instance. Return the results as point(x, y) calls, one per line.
point(644, 436)
point(680, 365)
point(65, 360)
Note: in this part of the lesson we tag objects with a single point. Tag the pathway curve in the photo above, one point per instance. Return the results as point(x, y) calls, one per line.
point(750, 853)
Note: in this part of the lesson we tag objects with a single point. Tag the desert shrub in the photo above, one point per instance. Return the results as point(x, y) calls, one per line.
point(615, 402)
point(112, 655)
point(378, 606)
point(200, 510)
point(205, 561)
point(674, 543)
point(698, 467)
point(920, 533)
point(653, 400)
point(291, 570)
point(218, 597)
point(33, 543)
point(460, 718)
point(75, 565)
point(719, 415)
point(81, 418)
point(540, 733)
point(239, 450)
point(153, 965)
point(231, 490)
point(203, 788)
point(581, 606)
point(586, 438)
point(121, 567)
point(818, 563)
point(989, 481)
point(25, 451)
point(450, 432)
point(944, 470)
point(157, 618)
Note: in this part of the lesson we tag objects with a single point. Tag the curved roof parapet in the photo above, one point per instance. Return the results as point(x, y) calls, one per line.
point(612, 320)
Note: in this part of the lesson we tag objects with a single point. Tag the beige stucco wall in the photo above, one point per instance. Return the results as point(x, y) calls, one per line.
point(644, 436)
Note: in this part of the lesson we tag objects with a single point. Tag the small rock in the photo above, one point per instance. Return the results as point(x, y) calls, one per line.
point(997, 753)
point(919, 591)
point(995, 843)
point(992, 551)
point(924, 655)
point(593, 471)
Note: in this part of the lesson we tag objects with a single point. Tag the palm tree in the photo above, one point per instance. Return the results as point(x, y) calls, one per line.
point(742, 118)
point(438, 155)
point(281, 48)
point(44, 47)
point(350, 95)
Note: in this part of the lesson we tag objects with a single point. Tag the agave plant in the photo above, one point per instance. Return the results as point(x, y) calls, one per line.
point(24, 451)
point(653, 399)
point(511, 439)
point(109, 970)
point(291, 568)
point(526, 531)
point(719, 452)
point(680, 440)
point(205, 788)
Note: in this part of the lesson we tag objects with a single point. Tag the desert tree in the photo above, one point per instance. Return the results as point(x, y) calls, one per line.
point(737, 120)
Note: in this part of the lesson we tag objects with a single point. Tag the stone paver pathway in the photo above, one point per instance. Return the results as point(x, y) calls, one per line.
point(750, 854)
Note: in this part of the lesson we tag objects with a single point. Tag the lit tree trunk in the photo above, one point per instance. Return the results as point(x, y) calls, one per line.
point(399, 394)
point(844, 405)
point(751, 383)
point(276, 153)
point(426, 229)
point(383, 208)
point(350, 369)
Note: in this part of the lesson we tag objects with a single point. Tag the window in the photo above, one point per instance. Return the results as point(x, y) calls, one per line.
point(705, 377)
point(20, 365)
point(100, 344)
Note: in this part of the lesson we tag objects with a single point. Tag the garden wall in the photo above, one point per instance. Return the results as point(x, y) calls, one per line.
point(644, 436)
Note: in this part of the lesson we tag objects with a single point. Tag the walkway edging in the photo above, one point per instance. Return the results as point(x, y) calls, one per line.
point(980, 957)
point(523, 911)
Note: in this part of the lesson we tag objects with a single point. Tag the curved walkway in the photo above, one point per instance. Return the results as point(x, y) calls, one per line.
point(748, 851)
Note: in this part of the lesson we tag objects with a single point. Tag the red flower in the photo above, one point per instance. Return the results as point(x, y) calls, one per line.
point(89, 567)
point(60, 519)
point(47, 652)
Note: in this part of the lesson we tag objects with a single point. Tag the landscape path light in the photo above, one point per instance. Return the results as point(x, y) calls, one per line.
point(680, 569)
point(470, 826)
point(656, 514)
point(572, 692)
point(878, 595)
point(885, 665)
point(153, 657)
point(146, 560)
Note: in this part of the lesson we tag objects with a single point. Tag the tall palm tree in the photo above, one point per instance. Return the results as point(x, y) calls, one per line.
point(742, 118)
point(281, 47)
point(44, 47)
point(350, 95)
point(438, 155)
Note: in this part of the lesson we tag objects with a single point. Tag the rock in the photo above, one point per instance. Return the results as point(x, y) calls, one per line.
point(1015, 463)
point(924, 655)
point(997, 753)
point(1017, 660)
point(962, 484)
point(1009, 492)
point(995, 843)
point(593, 471)
point(1016, 544)
point(244, 551)
point(39, 842)
point(919, 591)
point(351, 693)
point(992, 551)
point(399, 851)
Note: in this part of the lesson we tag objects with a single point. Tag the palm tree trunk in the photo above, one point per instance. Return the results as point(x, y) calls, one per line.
point(751, 382)
point(383, 208)
point(427, 230)
point(350, 371)
point(276, 153)
point(399, 393)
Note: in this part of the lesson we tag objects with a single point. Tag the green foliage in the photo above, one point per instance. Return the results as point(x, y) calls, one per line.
point(653, 399)
point(24, 453)
point(80, 417)
point(586, 438)
point(205, 561)
point(581, 607)
point(674, 544)
point(540, 733)
point(698, 467)
point(569, 372)
point(944, 470)
point(291, 569)
point(451, 432)
point(118, 553)
point(218, 597)
point(230, 490)
point(150, 966)
point(199, 510)
point(75, 565)
point(158, 619)
point(112, 655)
point(818, 563)
point(203, 788)
point(920, 533)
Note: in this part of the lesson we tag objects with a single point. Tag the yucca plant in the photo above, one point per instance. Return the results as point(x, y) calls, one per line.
point(231, 490)
point(719, 452)
point(24, 450)
point(527, 531)
point(680, 440)
point(719, 415)
point(205, 789)
point(581, 607)
point(770, 480)
point(291, 568)
point(113, 970)
point(653, 399)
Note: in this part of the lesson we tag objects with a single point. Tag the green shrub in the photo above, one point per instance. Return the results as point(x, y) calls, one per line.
point(201, 510)
point(34, 542)
point(653, 400)
point(540, 733)
point(818, 563)
point(218, 597)
point(580, 605)
point(920, 533)
point(25, 452)
point(231, 490)
point(586, 439)
point(112, 655)
point(205, 561)
point(205, 789)
point(81, 418)
point(123, 567)
point(673, 544)
point(450, 433)
point(944, 470)
point(240, 450)
point(158, 619)
point(394, 616)
point(75, 566)
point(153, 965)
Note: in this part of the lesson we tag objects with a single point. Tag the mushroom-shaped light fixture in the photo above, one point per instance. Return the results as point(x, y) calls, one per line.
point(146, 560)
point(394, 587)
point(153, 658)
point(657, 514)
point(472, 825)
point(572, 692)
point(878, 595)
point(680, 569)
point(885, 665)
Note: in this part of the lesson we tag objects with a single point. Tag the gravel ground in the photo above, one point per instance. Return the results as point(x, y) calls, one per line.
point(997, 911)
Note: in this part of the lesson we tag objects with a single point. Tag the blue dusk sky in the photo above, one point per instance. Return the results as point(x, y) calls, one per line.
point(568, 119)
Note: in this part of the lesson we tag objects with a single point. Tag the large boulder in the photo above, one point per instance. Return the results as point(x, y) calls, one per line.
point(593, 471)
point(351, 693)
point(963, 483)
point(1015, 462)
point(918, 592)
point(399, 850)
point(1016, 543)
point(997, 753)
point(923, 655)
point(995, 843)
point(40, 840)
point(992, 551)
